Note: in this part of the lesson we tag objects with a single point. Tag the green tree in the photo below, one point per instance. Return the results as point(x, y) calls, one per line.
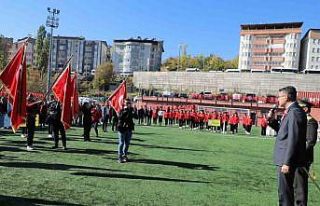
point(214, 62)
point(42, 49)
point(103, 76)
point(171, 64)
point(233, 63)
point(3, 54)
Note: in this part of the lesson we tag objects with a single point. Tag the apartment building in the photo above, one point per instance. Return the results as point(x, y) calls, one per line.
point(268, 47)
point(310, 52)
point(129, 55)
point(87, 55)
point(30, 50)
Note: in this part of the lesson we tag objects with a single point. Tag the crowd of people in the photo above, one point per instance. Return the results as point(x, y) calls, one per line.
point(188, 117)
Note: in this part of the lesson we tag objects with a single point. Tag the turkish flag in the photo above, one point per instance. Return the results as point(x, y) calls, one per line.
point(117, 98)
point(62, 90)
point(74, 97)
point(14, 79)
point(58, 86)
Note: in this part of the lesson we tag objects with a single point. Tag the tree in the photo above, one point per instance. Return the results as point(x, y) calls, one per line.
point(233, 63)
point(3, 53)
point(42, 49)
point(215, 63)
point(103, 76)
point(171, 64)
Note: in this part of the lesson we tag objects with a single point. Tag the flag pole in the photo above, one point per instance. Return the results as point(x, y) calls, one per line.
point(64, 67)
point(312, 179)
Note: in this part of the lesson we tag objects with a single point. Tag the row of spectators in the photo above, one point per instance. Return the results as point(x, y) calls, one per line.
point(191, 118)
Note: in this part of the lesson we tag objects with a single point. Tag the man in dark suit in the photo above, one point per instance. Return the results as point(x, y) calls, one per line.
point(290, 150)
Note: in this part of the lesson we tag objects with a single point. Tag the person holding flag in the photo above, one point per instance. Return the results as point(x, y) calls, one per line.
point(125, 113)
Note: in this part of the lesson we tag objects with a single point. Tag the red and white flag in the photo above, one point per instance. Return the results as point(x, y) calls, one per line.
point(14, 79)
point(118, 97)
point(62, 90)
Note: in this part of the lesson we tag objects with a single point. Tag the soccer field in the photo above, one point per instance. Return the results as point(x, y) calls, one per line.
point(168, 166)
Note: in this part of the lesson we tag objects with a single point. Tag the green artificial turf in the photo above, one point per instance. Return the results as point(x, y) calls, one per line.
point(168, 166)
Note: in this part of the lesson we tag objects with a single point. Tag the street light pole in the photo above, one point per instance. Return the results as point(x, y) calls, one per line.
point(52, 22)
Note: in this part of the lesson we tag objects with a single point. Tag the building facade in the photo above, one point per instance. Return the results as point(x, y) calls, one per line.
point(264, 47)
point(87, 55)
point(310, 51)
point(132, 55)
point(30, 50)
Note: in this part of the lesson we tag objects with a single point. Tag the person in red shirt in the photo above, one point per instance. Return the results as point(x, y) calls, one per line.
point(166, 116)
point(193, 116)
point(263, 124)
point(155, 115)
point(201, 119)
point(225, 119)
point(181, 118)
point(247, 123)
point(234, 121)
point(96, 115)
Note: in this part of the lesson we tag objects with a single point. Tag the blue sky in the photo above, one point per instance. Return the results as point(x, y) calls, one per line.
point(206, 26)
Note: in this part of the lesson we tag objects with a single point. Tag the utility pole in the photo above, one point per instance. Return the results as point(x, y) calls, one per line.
point(52, 22)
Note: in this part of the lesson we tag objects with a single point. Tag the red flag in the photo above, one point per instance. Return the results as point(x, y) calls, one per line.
point(62, 90)
point(14, 79)
point(58, 86)
point(74, 97)
point(117, 98)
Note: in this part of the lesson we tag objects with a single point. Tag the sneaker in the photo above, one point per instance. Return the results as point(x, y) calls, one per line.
point(64, 148)
point(49, 135)
point(29, 148)
point(54, 147)
point(23, 136)
point(121, 160)
point(125, 158)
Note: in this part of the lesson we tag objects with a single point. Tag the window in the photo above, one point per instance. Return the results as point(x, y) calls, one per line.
point(312, 59)
point(313, 50)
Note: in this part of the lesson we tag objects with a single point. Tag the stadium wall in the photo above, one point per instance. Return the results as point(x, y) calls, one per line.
point(216, 82)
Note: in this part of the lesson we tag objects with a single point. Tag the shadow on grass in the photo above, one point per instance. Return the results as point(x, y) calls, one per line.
point(177, 164)
point(170, 148)
point(10, 200)
point(13, 149)
point(134, 177)
point(48, 166)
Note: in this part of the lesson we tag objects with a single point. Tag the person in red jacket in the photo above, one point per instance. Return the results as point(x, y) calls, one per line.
point(247, 123)
point(155, 115)
point(234, 121)
point(225, 120)
point(187, 118)
point(201, 119)
point(166, 116)
point(181, 118)
point(96, 115)
point(263, 124)
point(193, 116)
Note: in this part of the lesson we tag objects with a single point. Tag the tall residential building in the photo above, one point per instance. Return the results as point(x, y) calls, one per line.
point(264, 47)
point(30, 50)
point(87, 54)
point(131, 55)
point(6, 45)
point(310, 51)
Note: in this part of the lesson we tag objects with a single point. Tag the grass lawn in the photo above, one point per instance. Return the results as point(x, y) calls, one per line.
point(168, 166)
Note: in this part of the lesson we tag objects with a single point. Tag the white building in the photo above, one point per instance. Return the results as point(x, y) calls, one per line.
point(264, 47)
point(136, 55)
point(310, 51)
